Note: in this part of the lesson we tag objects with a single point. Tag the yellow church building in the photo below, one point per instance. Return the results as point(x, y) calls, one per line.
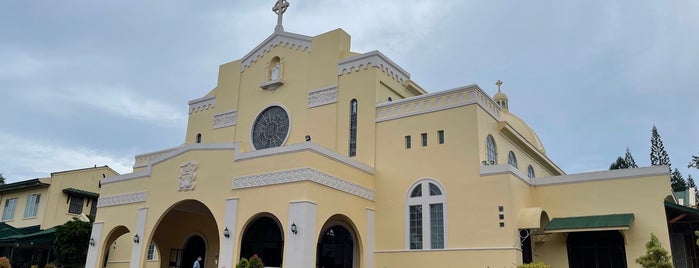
point(308, 154)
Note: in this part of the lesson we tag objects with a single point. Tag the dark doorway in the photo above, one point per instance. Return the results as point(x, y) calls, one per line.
point(525, 238)
point(195, 247)
point(264, 239)
point(335, 249)
point(596, 250)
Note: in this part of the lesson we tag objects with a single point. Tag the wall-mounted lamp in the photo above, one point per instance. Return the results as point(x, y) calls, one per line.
point(488, 163)
point(226, 233)
point(92, 241)
point(308, 137)
point(136, 239)
point(294, 230)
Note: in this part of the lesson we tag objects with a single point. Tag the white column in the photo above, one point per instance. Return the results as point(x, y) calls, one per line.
point(93, 252)
point(299, 248)
point(228, 244)
point(136, 258)
point(370, 238)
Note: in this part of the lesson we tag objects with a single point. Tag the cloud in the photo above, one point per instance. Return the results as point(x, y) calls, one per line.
point(33, 158)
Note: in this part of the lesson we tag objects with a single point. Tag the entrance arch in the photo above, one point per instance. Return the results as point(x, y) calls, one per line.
point(338, 244)
point(263, 237)
point(195, 247)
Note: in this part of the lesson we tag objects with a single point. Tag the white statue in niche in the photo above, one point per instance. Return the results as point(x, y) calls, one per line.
point(187, 176)
point(276, 69)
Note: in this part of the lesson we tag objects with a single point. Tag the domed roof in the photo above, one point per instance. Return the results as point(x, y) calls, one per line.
point(523, 129)
point(500, 96)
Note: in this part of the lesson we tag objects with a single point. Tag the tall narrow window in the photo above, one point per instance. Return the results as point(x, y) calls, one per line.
point(426, 217)
point(440, 134)
point(407, 142)
point(8, 212)
point(424, 139)
point(198, 138)
point(353, 128)
point(512, 159)
point(491, 150)
point(530, 172)
point(151, 252)
point(32, 206)
point(76, 205)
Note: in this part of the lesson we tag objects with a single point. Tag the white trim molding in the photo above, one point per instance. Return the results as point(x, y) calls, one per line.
point(299, 175)
point(323, 96)
point(377, 60)
point(202, 104)
point(122, 199)
point(604, 175)
point(137, 250)
point(93, 250)
point(285, 39)
point(226, 119)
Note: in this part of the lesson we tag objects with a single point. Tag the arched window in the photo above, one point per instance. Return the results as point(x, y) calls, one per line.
point(198, 138)
point(512, 159)
point(353, 128)
point(530, 172)
point(426, 216)
point(491, 150)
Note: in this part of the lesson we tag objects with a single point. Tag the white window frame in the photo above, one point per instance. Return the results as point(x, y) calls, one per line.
point(31, 209)
point(8, 212)
point(425, 201)
point(512, 159)
point(491, 149)
point(530, 172)
point(151, 253)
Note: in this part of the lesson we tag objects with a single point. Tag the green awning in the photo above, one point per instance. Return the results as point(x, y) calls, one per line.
point(590, 223)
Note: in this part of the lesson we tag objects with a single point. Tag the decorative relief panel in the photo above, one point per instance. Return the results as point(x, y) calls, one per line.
point(226, 119)
point(202, 104)
point(303, 174)
point(322, 96)
point(188, 176)
point(284, 39)
point(377, 60)
point(122, 199)
point(437, 101)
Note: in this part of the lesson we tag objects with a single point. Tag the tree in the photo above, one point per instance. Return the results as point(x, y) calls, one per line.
point(2, 179)
point(690, 184)
point(656, 256)
point(629, 159)
point(677, 181)
point(693, 163)
point(620, 163)
point(70, 245)
point(658, 155)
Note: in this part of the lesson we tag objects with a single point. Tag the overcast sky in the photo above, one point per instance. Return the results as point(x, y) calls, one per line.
point(87, 83)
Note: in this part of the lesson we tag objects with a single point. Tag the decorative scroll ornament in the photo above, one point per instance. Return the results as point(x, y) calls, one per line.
point(188, 176)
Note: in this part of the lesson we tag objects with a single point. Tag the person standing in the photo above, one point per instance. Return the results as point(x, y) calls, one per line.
point(196, 263)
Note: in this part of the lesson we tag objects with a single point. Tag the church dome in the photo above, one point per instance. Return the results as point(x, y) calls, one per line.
point(500, 96)
point(523, 129)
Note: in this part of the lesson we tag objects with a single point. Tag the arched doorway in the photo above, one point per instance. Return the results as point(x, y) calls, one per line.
point(195, 247)
point(335, 248)
point(263, 238)
point(604, 249)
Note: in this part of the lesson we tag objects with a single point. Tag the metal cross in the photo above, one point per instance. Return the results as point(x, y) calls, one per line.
point(498, 83)
point(279, 9)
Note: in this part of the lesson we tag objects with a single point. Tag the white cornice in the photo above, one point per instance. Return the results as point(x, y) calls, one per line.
point(202, 104)
point(618, 174)
point(122, 199)
point(285, 39)
point(299, 175)
point(377, 60)
point(438, 101)
point(306, 146)
point(166, 154)
point(604, 175)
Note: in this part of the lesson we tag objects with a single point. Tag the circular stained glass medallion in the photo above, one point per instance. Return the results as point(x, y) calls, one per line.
point(271, 128)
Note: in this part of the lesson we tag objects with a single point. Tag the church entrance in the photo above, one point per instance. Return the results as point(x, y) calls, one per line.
point(603, 249)
point(195, 247)
point(335, 248)
point(263, 238)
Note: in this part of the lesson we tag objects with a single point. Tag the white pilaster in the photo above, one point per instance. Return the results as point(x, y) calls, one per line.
point(370, 238)
point(299, 248)
point(136, 257)
point(228, 244)
point(93, 251)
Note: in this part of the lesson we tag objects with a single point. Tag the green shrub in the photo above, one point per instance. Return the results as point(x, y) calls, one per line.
point(256, 262)
point(656, 256)
point(243, 263)
point(534, 265)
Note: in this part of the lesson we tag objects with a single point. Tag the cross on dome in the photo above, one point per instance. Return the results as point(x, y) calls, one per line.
point(498, 83)
point(279, 9)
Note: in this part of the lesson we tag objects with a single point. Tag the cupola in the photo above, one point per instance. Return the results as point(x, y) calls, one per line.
point(500, 98)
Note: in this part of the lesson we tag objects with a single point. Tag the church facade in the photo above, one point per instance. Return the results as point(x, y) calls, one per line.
point(307, 154)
